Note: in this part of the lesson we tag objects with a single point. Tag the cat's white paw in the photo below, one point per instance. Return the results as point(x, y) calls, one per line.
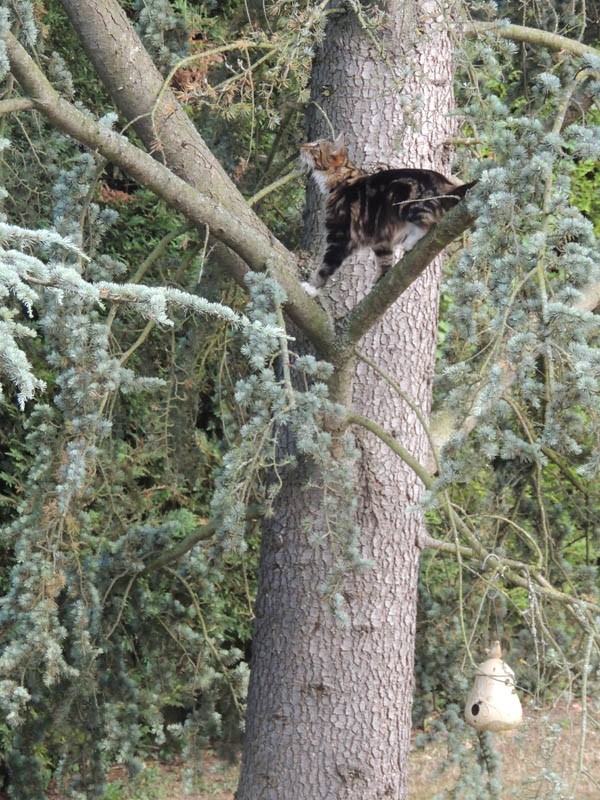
point(414, 233)
point(310, 290)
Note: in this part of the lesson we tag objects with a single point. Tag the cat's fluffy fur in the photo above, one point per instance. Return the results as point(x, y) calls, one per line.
point(376, 211)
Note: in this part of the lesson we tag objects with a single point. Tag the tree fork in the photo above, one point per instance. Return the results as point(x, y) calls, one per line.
point(253, 243)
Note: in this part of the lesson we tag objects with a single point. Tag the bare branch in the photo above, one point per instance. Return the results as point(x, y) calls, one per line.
point(534, 36)
point(357, 419)
point(16, 104)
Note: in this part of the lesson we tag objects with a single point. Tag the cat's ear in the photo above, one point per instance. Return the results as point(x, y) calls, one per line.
point(338, 145)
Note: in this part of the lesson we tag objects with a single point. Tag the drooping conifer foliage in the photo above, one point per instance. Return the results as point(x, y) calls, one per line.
point(150, 407)
point(519, 366)
point(84, 611)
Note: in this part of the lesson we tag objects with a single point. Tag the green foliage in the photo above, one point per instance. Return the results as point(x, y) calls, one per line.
point(146, 786)
point(87, 665)
point(519, 364)
point(109, 652)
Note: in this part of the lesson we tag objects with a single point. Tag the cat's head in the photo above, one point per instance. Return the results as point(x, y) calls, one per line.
point(323, 154)
point(325, 159)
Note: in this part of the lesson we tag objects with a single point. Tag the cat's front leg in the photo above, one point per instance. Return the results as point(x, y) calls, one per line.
point(335, 254)
point(385, 259)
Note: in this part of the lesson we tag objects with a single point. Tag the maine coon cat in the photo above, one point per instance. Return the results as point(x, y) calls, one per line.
point(376, 211)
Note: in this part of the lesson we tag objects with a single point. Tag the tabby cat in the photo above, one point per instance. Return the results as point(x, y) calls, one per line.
point(376, 211)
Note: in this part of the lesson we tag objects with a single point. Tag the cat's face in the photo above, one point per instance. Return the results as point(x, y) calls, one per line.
point(328, 161)
point(323, 155)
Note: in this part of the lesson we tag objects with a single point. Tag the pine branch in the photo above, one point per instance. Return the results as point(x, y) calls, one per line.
point(152, 301)
point(252, 242)
point(116, 148)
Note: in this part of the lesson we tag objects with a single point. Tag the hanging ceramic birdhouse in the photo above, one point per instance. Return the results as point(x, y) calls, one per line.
point(493, 703)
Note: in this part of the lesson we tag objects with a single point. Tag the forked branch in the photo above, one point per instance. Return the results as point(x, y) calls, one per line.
point(255, 245)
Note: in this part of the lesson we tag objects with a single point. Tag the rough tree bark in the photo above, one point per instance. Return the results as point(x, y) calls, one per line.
point(329, 705)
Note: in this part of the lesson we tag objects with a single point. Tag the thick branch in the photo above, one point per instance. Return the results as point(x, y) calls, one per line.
point(14, 104)
point(253, 243)
point(116, 148)
point(137, 88)
point(354, 325)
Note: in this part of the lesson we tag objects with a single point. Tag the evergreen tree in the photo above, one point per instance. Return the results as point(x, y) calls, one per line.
point(152, 447)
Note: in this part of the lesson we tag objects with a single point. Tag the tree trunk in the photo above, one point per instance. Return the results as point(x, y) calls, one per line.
point(329, 706)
